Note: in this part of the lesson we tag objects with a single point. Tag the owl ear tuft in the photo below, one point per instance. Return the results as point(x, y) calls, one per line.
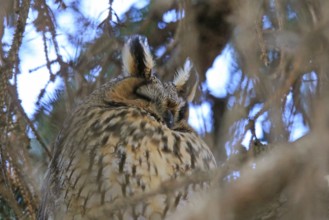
point(183, 74)
point(136, 57)
point(181, 81)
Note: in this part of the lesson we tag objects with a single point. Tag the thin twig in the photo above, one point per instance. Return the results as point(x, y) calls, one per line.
point(29, 122)
point(166, 187)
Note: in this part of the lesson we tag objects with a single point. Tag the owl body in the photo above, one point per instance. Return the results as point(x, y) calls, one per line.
point(125, 140)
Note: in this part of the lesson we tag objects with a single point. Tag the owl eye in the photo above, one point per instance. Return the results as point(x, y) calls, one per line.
point(150, 91)
point(146, 92)
point(143, 95)
point(168, 117)
point(183, 112)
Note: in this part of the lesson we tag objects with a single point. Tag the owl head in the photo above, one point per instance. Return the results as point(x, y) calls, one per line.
point(140, 87)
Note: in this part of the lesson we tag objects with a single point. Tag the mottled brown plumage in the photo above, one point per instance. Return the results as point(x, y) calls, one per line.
point(125, 139)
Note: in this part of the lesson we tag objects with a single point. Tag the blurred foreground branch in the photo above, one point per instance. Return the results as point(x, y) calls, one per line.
point(288, 183)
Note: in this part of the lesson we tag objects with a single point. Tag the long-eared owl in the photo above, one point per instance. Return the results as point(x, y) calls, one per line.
point(124, 140)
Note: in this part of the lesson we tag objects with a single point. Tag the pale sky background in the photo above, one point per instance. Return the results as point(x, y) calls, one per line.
point(32, 56)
